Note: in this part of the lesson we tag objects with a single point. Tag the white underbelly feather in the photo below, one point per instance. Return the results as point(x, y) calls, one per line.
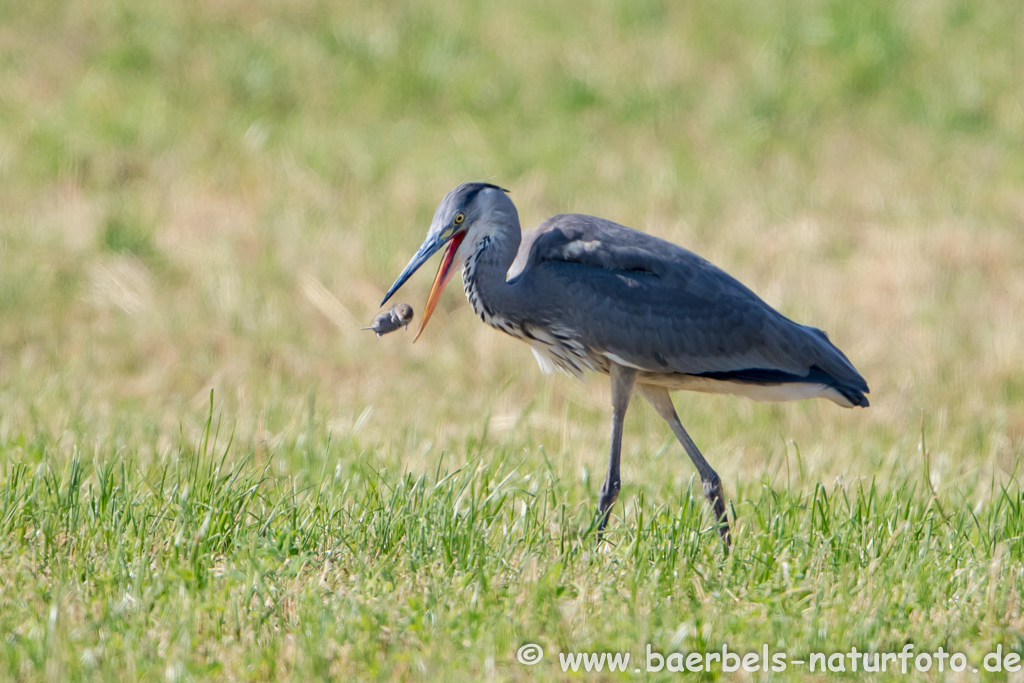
point(784, 391)
point(573, 358)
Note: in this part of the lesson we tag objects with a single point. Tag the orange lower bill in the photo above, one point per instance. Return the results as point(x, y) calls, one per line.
point(444, 274)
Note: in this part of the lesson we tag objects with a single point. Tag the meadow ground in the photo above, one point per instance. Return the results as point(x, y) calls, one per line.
point(208, 472)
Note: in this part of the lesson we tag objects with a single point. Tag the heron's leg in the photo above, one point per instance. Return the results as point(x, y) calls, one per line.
point(659, 398)
point(622, 388)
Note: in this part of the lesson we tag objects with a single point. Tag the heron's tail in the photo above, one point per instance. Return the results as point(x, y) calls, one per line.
point(838, 372)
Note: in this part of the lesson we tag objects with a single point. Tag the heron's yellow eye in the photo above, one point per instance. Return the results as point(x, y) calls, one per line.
point(459, 217)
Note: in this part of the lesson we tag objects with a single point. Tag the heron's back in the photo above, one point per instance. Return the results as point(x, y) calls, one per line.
point(587, 292)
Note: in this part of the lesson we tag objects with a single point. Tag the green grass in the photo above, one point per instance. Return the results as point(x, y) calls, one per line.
point(212, 197)
point(200, 565)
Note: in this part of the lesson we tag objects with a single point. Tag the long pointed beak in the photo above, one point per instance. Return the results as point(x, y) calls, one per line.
point(426, 250)
point(444, 273)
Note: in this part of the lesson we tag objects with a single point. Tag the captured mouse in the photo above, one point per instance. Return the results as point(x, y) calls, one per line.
point(389, 321)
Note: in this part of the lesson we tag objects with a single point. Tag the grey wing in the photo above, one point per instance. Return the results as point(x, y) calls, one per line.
point(662, 308)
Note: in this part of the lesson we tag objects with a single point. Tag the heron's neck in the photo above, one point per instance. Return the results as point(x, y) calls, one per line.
point(485, 273)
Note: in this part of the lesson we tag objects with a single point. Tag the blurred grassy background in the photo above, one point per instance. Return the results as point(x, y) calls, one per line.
point(205, 196)
point(212, 196)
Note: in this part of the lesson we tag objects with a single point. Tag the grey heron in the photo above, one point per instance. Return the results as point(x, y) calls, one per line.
point(589, 294)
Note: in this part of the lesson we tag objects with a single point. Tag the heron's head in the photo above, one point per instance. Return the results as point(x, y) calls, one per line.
point(468, 209)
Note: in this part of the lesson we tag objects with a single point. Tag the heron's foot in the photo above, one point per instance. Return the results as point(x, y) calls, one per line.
point(716, 497)
point(609, 494)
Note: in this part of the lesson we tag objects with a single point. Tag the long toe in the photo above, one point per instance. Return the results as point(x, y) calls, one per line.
point(716, 498)
point(604, 510)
